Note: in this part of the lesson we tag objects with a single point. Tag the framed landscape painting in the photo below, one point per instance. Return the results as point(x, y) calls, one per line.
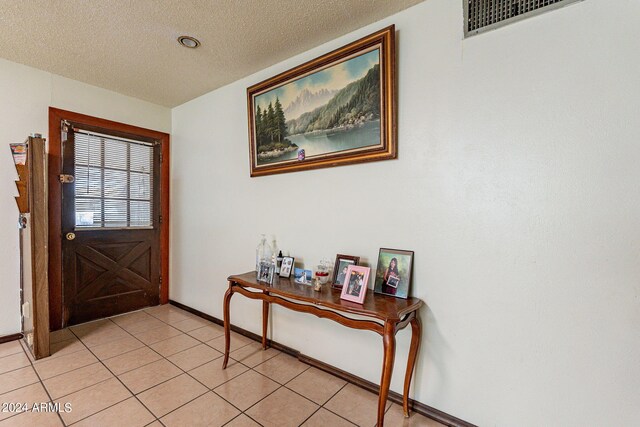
point(334, 110)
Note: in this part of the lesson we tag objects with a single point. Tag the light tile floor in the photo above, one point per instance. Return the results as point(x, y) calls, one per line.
point(162, 366)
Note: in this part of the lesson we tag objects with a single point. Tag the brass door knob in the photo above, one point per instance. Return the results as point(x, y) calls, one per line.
point(71, 236)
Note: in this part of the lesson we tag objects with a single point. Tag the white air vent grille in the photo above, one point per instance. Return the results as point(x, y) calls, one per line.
point(484, 15)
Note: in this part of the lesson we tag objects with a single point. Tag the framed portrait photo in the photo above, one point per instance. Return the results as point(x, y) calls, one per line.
point(302, 276)
point(265, 273)
point(393, 274)
point(334, 110)
point(287, 266)
point(340, 269)
point(355, 284)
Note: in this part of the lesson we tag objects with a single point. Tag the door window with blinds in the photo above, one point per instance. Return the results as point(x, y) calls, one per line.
point(113, 182)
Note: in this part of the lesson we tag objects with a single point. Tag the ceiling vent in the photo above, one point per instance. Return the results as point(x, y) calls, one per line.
point(486, 15)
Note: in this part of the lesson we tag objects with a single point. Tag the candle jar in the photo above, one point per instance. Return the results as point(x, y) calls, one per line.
point(322, 272)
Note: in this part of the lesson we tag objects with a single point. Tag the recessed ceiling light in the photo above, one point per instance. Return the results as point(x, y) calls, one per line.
point(189, 42)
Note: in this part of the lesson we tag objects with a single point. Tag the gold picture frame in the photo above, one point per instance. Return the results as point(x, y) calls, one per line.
point(337, 109)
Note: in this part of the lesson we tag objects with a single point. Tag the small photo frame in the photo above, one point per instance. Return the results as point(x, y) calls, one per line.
point(302, 276)
point(265, 274)
point(393, 274)
point(287, 266)
point(340, 269)
point(355, 285)
point(393, 282)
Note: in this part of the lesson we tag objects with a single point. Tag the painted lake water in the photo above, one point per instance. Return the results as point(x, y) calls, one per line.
point(332, 141)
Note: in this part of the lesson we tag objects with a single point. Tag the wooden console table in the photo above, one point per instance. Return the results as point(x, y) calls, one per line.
point(387, 316)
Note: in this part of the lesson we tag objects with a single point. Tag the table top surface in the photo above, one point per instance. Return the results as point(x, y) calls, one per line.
point(375, 305)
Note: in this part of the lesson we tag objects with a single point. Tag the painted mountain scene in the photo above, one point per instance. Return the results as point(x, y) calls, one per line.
point(329, 111)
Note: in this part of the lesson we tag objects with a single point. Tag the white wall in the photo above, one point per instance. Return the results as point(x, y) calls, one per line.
point(25, 96)
point(519, 192)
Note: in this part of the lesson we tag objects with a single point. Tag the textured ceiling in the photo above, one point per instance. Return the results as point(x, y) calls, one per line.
point(129, 46)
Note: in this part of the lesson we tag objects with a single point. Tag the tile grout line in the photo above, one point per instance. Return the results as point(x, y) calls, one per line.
point(252, 419)
point(17, 369)
point(23, 351)
point(334, 413)
point(285, 386)
point(43, 386)
point(93, 354)
point(119, 380)
point(186, 333)
point(205, 343)
point(133, 369)
point(211, 389)
point(280, 386)
point(208, 388)
point(239, 415)
point(249, 369)
point(12, 354)
point(312, 414)
point(162, 357)
point(185, 372)
point(83, 388)
point(305, 397)
point(26, 366)
point(78, 338)
point(197, 366)
point(22, 386)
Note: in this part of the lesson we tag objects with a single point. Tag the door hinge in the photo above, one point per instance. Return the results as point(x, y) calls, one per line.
point(161, 157)
point(67, 179)
point(161, 280)
point(160, 219)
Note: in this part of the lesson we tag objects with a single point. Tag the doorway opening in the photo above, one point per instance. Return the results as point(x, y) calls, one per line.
point(108, 218)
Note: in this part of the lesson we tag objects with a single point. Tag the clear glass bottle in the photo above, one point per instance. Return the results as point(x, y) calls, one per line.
point(274, 253)
point(260, 251)
point(264, 260)
point(274, 245)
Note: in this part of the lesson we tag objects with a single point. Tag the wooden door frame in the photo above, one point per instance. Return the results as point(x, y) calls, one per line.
point(56, 116)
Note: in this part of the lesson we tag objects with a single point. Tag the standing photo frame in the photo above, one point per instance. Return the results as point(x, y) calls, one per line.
point(340, 269)
point(287, 266)
point(302, 276)
point(337, 109)
point(356, 284)
point(393, 273)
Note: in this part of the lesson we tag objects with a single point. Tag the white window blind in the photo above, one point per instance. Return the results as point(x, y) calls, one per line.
point(113, 182)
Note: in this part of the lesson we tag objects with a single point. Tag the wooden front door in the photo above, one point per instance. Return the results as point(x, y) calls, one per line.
point(110, 223)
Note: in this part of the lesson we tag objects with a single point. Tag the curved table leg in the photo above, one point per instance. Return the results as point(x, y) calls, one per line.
point(389, 341)
point(227, 324)
point(416, 335)
point(265, 322)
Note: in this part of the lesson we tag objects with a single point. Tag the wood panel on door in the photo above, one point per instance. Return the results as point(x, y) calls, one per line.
point(108, 273)
point(111, 264)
